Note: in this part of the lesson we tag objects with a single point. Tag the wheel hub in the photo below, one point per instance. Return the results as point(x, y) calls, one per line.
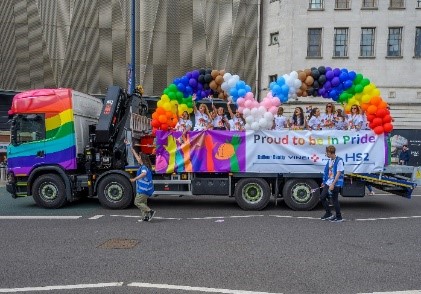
point(301, 193)
point(114, 192)
point(252, 193)
point(48, 192)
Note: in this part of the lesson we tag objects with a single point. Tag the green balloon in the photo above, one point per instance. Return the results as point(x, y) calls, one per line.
point(189, 103)
point(351, 90)
point(343, 96)
point(172, 95)
point(179, 95)
point(365, 82)
point(173, 88)
point(166, 91)
point(358, 79)
point(359, 88)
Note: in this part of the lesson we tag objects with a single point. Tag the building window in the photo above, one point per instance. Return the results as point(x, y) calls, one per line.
point(369, 3)
point(417, 49)
point(342, 4)
point(273, 78)
point(271, 1)
point(418, 3)
point(340, 42)
point(314, 41)
point(397, 4)
point(274, 38)
point(367, 42)
point(315, 4)
point(394, 42)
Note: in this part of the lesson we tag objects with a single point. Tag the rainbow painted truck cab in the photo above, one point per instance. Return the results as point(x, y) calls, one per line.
point(65, 144)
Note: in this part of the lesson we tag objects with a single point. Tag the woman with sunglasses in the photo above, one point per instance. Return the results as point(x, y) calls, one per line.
point(298, 121)
point(329, 117)
point(355, 120)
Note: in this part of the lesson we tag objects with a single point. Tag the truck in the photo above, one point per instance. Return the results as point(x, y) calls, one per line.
point(66, 145)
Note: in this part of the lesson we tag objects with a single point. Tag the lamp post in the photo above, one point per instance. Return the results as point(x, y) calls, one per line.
point(132, 78)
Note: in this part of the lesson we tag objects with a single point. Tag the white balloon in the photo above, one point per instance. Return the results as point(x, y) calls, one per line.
point(227, 76)
point(236, 78)
point(232, 82)
point(268, 116)
point(262, 123)
point(294, 75)
point(246, 112)
point(255, 126)
point(262, 110)
point(269, 122)
point(224, 86)
point(247, 126)
point(254, 112)
point(249, 119)
point(229, 98)
point(297, 83)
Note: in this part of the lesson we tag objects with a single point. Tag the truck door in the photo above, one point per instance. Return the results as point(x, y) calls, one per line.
point(27, 148)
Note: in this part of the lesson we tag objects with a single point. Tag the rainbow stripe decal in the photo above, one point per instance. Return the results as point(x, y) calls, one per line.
point(59, 144)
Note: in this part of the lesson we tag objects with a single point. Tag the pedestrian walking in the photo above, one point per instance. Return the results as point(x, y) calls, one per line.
point(333, 180)
point(144, 184)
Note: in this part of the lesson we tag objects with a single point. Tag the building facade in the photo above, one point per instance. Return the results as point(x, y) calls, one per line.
point(379, 38)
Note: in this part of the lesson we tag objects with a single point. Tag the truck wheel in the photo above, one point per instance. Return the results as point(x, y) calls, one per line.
point(49, 191)
point(115, 192)
point(252, 194)
point(298, 196)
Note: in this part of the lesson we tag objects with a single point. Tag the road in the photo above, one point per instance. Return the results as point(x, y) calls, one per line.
point(209, 245)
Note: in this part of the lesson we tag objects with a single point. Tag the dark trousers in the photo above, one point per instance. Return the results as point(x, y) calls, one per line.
point(334, 195)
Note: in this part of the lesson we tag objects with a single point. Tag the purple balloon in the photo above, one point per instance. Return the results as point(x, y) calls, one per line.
point(204, 94)
point(335, 81)
point(328, 68)
point(188, 75)
point(195, 74)
point(336, 72)
point(193, 83)
point(322, 91)
point(199, 87)
point(329, 75)
point(327, 86)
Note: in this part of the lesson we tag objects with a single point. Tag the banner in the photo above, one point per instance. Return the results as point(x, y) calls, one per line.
point(267, 151)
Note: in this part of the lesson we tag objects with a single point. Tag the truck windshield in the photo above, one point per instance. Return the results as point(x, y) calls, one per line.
point(28, 128)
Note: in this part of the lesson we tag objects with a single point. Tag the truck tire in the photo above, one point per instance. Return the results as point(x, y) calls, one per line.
point(49, 191)
point(115, 192)
point(252, 193)
point(298, 196)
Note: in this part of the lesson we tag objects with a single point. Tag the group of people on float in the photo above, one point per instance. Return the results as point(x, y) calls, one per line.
point(331, 119)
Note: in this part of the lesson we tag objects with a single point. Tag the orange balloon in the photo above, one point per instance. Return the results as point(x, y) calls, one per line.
point(372, 109)
point(155, 115)
point(164, 127)
point(160, 110)
point(168, 114)
point(163, 119)
point(365, 106)
point(382, 105)
point(375, 100)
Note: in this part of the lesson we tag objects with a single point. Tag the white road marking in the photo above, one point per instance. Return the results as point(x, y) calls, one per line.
point(388, 218)
point(49, 217)
point(397, 292)
point(62, 287)
point(97, 216)
point(199, 289)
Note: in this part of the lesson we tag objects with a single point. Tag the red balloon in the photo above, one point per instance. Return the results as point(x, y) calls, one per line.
point(155, 123)
point(371, 125)
point(381, 112)
point(377, 122)
point(370, 117)
point(164, 127)
point(388, 127)
point(387, 119)
point(378, 130)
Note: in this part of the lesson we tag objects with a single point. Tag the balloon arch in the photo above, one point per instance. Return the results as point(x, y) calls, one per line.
point(341, 85)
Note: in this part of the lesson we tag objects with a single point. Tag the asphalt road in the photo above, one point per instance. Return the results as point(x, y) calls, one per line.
point(212, 244)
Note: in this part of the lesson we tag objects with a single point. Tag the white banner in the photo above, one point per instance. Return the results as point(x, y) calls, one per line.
point(304, 151)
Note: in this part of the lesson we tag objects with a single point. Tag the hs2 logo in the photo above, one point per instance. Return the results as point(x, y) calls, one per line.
point(356, 157)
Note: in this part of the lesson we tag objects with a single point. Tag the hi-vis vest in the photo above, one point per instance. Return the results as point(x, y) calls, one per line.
point(340, 181)
point(144, 185)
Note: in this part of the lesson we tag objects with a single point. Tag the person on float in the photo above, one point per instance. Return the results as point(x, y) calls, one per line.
point(297, 120)
point(236, 123)
point(355, 120)
point(314, 121)
point(328, 118)
point(219, 119)
point(280, 122)
point(202, 117)
point(341, 123)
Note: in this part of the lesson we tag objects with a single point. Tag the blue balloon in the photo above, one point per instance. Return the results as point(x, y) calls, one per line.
point(233, 92)
point(176, 81)
point(276, 90)
point(181, 87)
point(285, 89)
point(344, 70)
point(240, 85)
point(189, 90)
point(343, 76)
point(280, 81)
point(352, 75)
point(185, 80)
point(283, 99)
point(347, 84)
point(271, 85)
point(241, 92)
point(332, 93)
point(248, 88)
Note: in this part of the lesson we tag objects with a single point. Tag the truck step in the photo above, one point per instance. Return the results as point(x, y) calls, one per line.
point(171, 182)
point(173, 193)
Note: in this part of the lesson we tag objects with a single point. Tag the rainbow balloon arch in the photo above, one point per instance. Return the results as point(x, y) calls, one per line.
point(341, 85)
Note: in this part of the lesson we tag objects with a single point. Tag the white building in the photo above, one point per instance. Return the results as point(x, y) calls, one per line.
point(380, 39)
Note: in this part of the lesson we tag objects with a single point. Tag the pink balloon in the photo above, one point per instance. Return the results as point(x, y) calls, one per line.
point(240, 109)
point(249, 95)
point(266, 103)
point(248, 104)
point(269, 95)
point(275, 102)
point(255, 104)
point(240, 101)
point(273, 110)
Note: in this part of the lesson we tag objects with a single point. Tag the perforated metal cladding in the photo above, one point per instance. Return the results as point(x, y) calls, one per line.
point(85, 44)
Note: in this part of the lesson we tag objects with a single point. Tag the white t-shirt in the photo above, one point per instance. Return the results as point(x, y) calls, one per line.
point(201, 121)
point(236, 124)
point(355, 121)
point(219, 121)
point(326, 119)
point(183, 124)
point(341, 124)
point(314, 123)
point(280, 122)
point(300, 124)
point(331, 176)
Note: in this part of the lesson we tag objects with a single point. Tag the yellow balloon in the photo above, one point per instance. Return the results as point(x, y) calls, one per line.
point(366, 98)
point(160, 103)
point(358, 97)
point(348, 108)
point(376, 92)
point(167, 106)
point(189, 110)
point(165, 98)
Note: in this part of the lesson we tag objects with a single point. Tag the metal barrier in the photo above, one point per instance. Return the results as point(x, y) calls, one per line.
point(3, 173)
